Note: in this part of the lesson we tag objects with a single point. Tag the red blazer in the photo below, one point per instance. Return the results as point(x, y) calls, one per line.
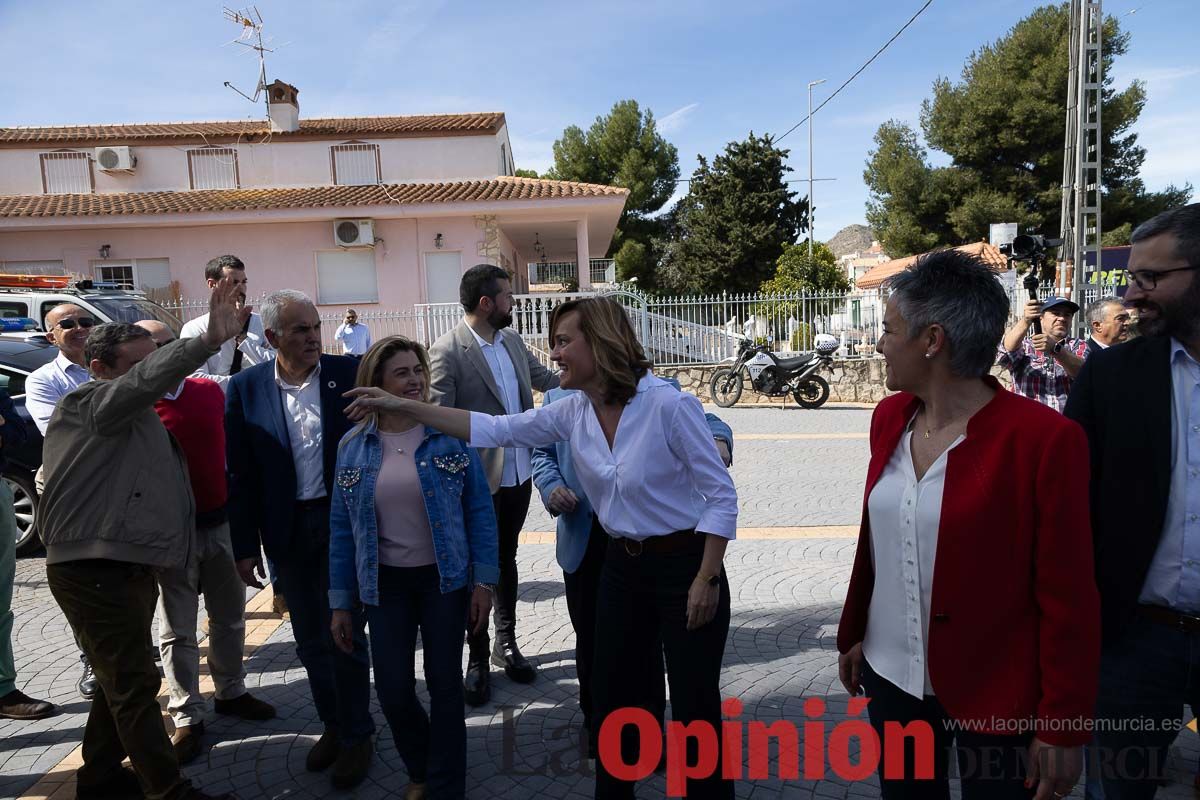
point(1014, 632)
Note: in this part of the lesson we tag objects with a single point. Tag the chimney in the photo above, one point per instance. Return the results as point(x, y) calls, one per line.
point(283, 107)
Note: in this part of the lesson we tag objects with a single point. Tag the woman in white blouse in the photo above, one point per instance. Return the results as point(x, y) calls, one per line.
point(646, 459)
point(972, 614)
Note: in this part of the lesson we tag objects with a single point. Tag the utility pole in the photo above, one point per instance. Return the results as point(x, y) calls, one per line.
point(811, 213)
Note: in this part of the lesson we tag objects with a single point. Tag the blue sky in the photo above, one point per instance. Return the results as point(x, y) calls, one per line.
point(710, 71)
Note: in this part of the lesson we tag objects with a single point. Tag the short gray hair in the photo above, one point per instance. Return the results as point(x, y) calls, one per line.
point(957, 291)
point(103, 341)
point(1183, 222)
point(1095, 311)
point(273, 304)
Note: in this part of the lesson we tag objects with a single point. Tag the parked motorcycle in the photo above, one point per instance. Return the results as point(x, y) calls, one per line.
point(774, 376)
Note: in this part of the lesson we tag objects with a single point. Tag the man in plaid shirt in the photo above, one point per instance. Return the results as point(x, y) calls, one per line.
point(1044, 365)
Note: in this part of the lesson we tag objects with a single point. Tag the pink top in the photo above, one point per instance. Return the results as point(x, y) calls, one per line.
point(405, 539)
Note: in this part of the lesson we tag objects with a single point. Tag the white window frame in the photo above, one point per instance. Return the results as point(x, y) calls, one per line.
point(130, 263)
point(200, 156)
point(324, 298)
point(67, 155)
point(354, 147)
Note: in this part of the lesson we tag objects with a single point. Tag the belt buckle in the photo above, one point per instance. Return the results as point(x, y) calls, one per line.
point(629, 545)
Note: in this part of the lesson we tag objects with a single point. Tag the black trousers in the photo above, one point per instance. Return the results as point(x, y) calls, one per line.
point(583, 593)
point(990, 767)
point(642, 598)
point(511, 504)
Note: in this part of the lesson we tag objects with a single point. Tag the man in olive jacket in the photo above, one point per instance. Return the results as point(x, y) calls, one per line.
point(118, 505)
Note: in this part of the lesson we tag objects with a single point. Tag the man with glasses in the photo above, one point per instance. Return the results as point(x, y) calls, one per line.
point(67, 326)
point(194, 413)
point(1140, 406)
point(1044, 364)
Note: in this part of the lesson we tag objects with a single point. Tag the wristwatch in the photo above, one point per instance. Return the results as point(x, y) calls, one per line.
point(490, 587)
point(711, 580)
point(1059, 345)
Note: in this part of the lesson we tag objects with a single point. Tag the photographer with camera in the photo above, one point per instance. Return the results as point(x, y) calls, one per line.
point(1044, 363)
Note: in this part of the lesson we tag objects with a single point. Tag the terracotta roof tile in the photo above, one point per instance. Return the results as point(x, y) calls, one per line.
point(92, 205)
point(984, 251)
point(335, 127)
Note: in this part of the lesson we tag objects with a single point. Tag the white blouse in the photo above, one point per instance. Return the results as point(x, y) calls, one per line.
point(663, 473)
point(904, 514)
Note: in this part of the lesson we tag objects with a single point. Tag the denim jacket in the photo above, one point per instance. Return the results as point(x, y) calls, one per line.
point(457, 501)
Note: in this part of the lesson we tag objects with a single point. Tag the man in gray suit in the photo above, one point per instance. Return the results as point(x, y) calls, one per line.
point(482, 366)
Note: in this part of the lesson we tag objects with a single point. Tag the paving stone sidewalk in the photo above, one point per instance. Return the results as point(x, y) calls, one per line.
point(787, 596)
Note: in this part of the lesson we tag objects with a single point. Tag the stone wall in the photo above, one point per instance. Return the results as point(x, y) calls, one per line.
point(851, 380)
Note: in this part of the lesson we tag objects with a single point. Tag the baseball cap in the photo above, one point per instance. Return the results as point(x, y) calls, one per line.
point(1051, 302)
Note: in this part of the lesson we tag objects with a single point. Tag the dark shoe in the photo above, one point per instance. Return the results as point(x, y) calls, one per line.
point(352, 763)
point(18, 705)
point(279, 606)
point(516, 666)
point(186, 741)
point(324, 752)
point(477, 688)
point(196, 794)
point(87, 681)
point(123, 786)
point(245, 706)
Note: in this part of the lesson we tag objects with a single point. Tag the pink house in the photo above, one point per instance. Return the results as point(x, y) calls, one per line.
point(353, 211)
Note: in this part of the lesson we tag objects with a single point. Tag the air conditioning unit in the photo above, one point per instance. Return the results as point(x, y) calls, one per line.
point(115, 159)
point(354, 232)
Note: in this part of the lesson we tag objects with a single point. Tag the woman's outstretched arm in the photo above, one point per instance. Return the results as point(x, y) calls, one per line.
point(367, 399)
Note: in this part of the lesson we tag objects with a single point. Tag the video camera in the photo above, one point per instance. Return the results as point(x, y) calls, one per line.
point(1031, 249)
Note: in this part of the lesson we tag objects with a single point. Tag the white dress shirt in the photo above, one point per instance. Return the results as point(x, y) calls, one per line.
point(904, 514)
point(518, 464)
point(48, 384)
point(255, 349)
point(1173, 579)
point(355, 339)
point(302, 410)
point(662, 474)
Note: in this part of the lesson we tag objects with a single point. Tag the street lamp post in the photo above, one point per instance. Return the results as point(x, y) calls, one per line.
point(811, 232)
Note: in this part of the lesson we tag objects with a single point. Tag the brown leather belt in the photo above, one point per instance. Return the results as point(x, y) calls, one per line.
point(1170, 618)
point(678, 542)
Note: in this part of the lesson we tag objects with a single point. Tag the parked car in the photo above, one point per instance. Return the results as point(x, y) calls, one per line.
point(34, 295)
point(19, 356)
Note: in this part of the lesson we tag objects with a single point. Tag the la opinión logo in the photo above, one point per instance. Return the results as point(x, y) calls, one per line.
point(746, 746)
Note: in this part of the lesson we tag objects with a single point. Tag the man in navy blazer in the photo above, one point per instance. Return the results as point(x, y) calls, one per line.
point(580, 545)
point(283, 421)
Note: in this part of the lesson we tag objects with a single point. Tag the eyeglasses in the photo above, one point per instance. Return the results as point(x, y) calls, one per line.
point(1147, 279)
point(83, 322)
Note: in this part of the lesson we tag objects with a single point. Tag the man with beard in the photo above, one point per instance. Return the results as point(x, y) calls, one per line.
point(482, 366)
point(1140, 406)
point(1043, 365)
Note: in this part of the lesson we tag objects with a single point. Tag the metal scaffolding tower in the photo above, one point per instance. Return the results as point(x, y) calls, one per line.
point(1081, 162)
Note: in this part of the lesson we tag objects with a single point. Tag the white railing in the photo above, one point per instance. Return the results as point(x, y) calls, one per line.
point(562, 273)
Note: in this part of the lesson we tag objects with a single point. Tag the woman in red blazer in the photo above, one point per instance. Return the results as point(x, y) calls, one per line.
point(972, 604)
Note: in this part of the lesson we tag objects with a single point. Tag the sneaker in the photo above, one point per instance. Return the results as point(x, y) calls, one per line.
point(352, 763)
point(18, 705)
point(245, 706)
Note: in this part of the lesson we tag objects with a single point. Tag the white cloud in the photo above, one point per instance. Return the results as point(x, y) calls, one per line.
point(675, 121)
point(1171, 152)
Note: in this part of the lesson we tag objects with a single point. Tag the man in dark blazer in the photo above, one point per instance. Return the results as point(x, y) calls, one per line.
point(482, 365)
point(283, 421)
point(1139, 403)
point(1108, 324)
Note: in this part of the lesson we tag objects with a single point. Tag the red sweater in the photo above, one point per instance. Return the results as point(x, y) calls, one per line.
point(1014, 630)
point(196, 418)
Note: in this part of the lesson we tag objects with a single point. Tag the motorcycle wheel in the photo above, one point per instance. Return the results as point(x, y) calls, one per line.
point(812, 393)
point(725, 387)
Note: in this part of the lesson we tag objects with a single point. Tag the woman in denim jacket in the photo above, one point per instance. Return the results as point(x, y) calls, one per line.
point(413, 538)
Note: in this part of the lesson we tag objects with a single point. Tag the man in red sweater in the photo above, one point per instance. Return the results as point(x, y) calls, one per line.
point(195, 416)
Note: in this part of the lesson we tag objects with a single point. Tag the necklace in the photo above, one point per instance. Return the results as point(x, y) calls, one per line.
point(929, 430)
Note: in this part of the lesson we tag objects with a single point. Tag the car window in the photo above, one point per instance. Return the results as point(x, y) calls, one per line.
point(12, 382)
point(134, 309)
point(13, 308)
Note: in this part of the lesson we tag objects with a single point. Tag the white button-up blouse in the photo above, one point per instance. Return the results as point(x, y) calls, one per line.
point(904, 515)
point(662, 475)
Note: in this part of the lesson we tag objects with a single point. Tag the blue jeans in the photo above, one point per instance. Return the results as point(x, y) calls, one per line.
point(1146, 675)
point(434, 745)
point(340, 683)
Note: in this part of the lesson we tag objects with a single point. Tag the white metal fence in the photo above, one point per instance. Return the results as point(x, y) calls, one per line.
point(698, 329)
point(561, 273)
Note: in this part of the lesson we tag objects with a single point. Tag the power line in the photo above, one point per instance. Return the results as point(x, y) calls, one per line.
point(860, 69)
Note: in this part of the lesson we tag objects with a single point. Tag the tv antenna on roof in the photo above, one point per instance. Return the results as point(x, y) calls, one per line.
point(251, 37)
